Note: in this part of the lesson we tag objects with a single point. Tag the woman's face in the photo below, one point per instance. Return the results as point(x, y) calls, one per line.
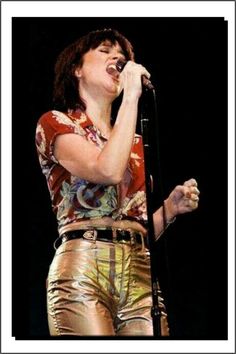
point(93, 74)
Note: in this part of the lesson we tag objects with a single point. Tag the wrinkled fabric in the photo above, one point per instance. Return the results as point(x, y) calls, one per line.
point(101, 289)
point(75, 199)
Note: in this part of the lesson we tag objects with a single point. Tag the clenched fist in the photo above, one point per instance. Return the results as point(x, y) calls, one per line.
point(183, 199)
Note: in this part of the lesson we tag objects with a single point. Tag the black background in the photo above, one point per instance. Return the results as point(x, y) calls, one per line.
point(187, 58)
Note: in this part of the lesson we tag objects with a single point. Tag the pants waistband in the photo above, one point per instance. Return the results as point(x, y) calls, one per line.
point(105, 235)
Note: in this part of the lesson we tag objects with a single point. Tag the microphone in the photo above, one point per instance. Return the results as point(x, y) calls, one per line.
point(120, 64)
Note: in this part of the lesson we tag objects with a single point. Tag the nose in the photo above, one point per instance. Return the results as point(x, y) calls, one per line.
point(115, 55)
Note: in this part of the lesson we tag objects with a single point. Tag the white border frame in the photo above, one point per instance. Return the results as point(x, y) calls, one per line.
point(107, 9)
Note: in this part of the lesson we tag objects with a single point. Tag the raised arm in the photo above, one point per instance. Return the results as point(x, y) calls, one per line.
point(183, 199)
point(106, 166)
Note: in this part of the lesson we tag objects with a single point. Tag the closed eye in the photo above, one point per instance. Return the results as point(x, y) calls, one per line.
point(104, 50)
point(107, 49)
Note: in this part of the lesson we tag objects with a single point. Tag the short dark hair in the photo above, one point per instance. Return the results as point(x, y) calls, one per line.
point(65, 92)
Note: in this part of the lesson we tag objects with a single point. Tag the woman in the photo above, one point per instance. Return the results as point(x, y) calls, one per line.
point(99, 279)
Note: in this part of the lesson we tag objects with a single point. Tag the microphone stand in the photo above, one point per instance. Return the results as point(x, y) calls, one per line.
point(145, 129)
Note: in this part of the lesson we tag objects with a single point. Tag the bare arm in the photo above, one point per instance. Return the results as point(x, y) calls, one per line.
point(84, 159)
point(183, 199)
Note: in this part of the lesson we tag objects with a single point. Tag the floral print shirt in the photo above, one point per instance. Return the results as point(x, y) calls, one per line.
point(75, 199)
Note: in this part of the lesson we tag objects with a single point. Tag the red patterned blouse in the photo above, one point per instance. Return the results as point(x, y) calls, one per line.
point(75, 199)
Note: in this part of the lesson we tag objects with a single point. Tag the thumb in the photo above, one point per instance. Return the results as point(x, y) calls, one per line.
point(183, 191)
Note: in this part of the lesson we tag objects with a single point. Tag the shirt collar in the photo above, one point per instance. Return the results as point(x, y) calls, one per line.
point(82, 117)
point(84, 121)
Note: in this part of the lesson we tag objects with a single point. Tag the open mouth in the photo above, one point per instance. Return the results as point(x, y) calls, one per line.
point(111, 70)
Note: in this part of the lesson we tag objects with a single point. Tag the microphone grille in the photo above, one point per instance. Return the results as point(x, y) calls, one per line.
point(120, 64)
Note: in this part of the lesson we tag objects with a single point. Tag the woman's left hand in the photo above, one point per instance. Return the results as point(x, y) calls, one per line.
point(183, 199)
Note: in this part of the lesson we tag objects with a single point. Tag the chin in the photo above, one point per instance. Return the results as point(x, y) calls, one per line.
point(114, 90)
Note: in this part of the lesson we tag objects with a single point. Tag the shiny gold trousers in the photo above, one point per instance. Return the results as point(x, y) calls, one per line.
point(98, 288)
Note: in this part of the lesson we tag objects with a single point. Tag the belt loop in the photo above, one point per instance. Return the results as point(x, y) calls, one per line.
point(132, 237)
point(114, 234)
point(142, 240)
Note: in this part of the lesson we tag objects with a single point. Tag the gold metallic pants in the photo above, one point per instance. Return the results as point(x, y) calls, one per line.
point(101, 289)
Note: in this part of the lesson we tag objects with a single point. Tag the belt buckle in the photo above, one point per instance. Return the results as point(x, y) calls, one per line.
point(90, 235)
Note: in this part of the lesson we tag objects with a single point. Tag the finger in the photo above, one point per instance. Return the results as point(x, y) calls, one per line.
point(190, 190)
point(187, 194)
point(185, 191)
point(194, 197)
point(191, 182)
point(143, 70)
point(181, 190)
point(132, 66)
point(147, 73)
point(191, 193)
point(193, 204)
point(194, 190)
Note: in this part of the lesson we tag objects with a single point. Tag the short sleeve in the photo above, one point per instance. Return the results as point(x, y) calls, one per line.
point(50, 125)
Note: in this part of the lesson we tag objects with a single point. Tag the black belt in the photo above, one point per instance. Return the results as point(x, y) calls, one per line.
point(106, 235)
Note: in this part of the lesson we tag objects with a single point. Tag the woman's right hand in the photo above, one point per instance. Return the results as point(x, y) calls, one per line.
point(131, 78)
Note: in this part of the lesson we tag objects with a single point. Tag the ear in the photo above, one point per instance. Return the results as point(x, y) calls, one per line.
point(77, 73)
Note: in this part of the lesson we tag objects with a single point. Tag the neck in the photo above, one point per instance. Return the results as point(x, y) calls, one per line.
point(99, 111)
